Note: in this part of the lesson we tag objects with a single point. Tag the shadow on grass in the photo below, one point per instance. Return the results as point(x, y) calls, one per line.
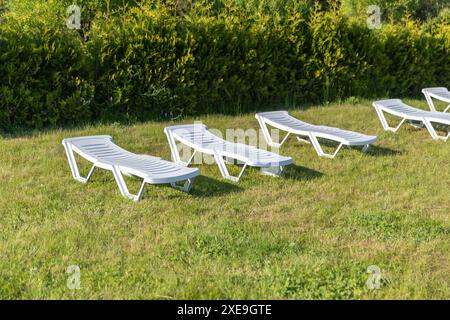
point(294, 172)
point(377, 151)
point(209, 187)
point(121, 121)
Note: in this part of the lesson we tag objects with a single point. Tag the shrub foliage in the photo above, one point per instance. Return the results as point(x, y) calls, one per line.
point(136, 60)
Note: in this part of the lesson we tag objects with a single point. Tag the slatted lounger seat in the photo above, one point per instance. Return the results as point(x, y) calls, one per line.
point(439, 93)
point(283, 121)
point(103, 153)
point(397, 108)
point(197, 137)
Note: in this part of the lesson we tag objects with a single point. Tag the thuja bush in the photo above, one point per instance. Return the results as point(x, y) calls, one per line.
point(43, 78)
point(141, 65)
point(412, 59)
point(142, 60)
point(396, 9)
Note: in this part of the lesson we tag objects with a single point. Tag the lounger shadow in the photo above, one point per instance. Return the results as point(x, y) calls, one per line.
point(300, 173)
point(377, 151)
point(206, 187)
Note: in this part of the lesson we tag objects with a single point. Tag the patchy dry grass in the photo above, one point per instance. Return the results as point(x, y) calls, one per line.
point(309, 234)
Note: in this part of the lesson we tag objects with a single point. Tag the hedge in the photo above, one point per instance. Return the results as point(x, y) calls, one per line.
point(153, 61)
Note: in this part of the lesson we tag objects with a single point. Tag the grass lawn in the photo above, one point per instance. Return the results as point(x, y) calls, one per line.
point(309, 234)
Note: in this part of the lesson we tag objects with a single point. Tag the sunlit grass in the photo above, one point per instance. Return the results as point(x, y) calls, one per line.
point(310, 234)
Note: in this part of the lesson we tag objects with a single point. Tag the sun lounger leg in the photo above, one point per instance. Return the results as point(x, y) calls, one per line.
point(430, 101)
point(186, 187)
point(90, 172)
point(384, 121)
point(123, 186)
point(175, 152)
point(74, 167)
point(319, 149)
point(305, 140)
point(433, 132)
point(173, 148)
point(365, 148)
point(272, 171)
point(267, 135)
point(416, 124)
point(224, 170)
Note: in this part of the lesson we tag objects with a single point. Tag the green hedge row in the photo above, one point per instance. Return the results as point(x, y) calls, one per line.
point(154, 61)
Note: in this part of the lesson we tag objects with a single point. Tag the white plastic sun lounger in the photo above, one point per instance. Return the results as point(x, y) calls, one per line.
point(197, 137)
point(397, 108)
point(440, 93)
point(103, 153)
point(283, 121)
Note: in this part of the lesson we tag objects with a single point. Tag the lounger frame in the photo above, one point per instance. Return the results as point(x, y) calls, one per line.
point(117, 170)
point(220, 156)
point(431, 93)
point(410, 114)
point(308, 136)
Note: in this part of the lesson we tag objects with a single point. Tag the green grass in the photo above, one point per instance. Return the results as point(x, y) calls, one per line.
point(310, 234)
